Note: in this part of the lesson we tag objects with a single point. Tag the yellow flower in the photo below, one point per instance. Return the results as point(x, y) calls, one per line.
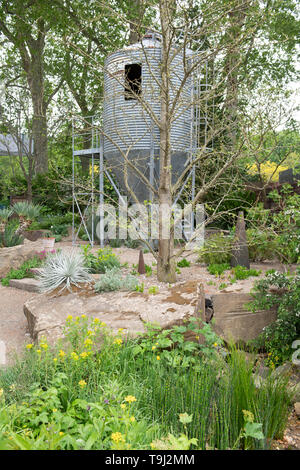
point(61, 433)
point(54, 410)
point(38, 351)
point(123, 406)
point(1, 392)
point(88, 342)
point(84, 355)
point(61, 353)
point(74, 356)
point(130, 398)
point(12, 388)
point(90, 333)
point(132, 419)
point(82, 383)
point(83, 316)
point(248, 416)
point(69, 317)
point(118, 341)
point(153, 347)
point(103, 324)
point(29, 346)
point(96, 320)
point(44, 346)
point(55, 359)
point(117, 437)
point(197, 337)
point(215, 345)
point(158, 358)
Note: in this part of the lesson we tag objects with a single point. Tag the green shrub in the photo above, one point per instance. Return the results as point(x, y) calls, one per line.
point(282, 292)
point(216, 250)
point(183, 263)
point(103, 261)
point(275, 235)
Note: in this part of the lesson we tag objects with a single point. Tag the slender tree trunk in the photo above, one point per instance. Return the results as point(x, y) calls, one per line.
point(39, 133)
point(34, 67)
point(236, 18)
point(166, 269)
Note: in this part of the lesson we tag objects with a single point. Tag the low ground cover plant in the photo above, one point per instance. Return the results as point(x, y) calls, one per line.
point(23, 271)
point(157, 391)
point(114, 280)
point(237, 272)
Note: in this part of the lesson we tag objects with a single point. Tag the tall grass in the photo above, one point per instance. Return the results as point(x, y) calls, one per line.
point(214, 391)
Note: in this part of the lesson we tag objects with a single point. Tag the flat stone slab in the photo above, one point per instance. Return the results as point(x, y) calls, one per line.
point(28, 283)
point(46, 313)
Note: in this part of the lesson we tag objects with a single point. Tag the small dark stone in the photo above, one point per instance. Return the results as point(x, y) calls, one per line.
point(141, 266)
point(240, 253)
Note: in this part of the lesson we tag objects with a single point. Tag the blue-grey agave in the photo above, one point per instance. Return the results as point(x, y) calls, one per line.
point(64, 269)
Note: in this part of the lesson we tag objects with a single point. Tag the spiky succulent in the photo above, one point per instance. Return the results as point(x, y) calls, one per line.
point(27, 213)
point(26, 210)
point(64, 269)
point(4, 216)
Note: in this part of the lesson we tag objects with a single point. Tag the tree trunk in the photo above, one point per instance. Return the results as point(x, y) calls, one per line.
point(166, 268)
point(34, 67)
point(137, 12)
point(39, 133)
point(236, 18)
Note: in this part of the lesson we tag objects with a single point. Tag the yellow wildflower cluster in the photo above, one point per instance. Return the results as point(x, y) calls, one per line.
point(82, 383)
point(118, 341)
point(117, 437)
point(267, 170)
point(130, 398)
point(74, 356)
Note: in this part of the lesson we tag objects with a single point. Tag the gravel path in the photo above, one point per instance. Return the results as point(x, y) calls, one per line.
point(13, 324)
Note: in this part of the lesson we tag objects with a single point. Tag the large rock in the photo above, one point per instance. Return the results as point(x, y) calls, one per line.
point(46, 314)
point(14, 257)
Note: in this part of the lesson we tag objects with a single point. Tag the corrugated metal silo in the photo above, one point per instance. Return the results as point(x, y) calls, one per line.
point(127, 125)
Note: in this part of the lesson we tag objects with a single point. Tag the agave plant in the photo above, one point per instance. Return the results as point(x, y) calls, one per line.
point(27, 213)
point(64, 268)
point(4, 216)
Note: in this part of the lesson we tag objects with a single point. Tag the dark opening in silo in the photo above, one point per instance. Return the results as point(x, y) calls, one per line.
point(133, 81)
